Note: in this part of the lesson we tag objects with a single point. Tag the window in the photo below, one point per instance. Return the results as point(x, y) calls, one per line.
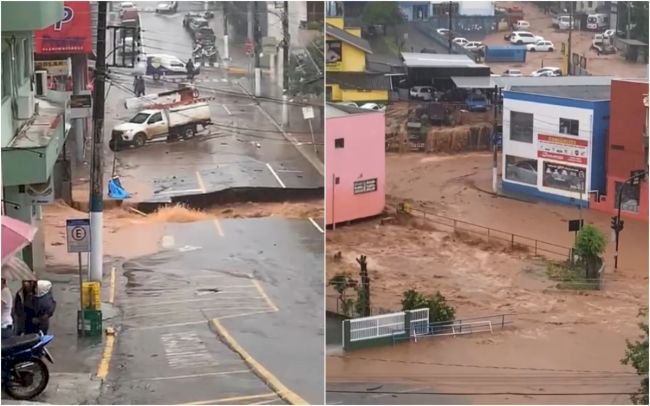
point(522, 170)
point(521, 127)
point(569, 126)
point(6, 74)
point(27, 58)
point(155, 118)
point(339, 143)
point(590, 4)
point(630, 198)
point(365, 186)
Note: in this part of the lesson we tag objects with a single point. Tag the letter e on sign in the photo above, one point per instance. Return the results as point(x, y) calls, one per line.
point(78, 235)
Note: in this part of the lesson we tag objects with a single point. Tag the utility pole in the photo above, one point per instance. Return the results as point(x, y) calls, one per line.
point(257, 49)
point(494, 141)
point(449, 33)
point(629, 19)
point(226, 50)
point(571, 5)
point(285, 64)
point(97, 171)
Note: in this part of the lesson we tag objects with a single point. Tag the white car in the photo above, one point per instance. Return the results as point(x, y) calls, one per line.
point(524, 37)
point(474, 45)
point(373, 106)
point(349, 104)
point(460, 41)
point(421, 92)
point(541, 46)
point(609, 33)
point(513, 73)
point(546, 72)
point(521, 25)
point(167, 7)
point(442, 31)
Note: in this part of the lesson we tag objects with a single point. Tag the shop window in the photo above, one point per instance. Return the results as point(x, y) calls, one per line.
point(631, 197)
point(339, 143)
point(521, 127)
point(569, 126)
point(365, 186)
point(6, 74)
point(522, 170)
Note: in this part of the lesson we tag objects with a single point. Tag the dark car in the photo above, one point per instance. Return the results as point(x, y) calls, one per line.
point(188, 17)
point(197, 23)
point(204, 35)
point(476, 102)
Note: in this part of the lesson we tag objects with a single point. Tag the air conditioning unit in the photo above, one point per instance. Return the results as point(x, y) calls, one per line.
point(25, 106)
point(40, 77)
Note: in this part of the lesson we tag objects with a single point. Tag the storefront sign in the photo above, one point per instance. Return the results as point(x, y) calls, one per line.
point(81, 105)
point(564, 177)
point(334, 55)
point(562, 149)
point(71, 35)
point(57, 67)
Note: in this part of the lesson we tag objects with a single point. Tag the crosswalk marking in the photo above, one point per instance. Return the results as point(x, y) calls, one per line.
point(186, 350)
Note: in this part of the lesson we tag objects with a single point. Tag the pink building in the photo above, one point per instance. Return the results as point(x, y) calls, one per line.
point(356, 164)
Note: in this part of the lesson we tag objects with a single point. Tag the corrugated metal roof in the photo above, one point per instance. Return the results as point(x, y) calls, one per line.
point(420, 60)
point(473, 82)
point(333, 110)
point(506, 82)
point(360, 81)
point(588, 92)
point(345, 36)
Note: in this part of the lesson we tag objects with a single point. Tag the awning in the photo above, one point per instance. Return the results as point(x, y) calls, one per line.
point(473, 82)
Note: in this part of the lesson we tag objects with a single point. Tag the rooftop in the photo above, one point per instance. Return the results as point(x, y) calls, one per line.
point(584, 92)
point(334, 110)
point(345, 36)
point(421, 60)
point(507, 82)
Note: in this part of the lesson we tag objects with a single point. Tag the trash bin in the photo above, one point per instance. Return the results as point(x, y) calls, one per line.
point(89, 323)
point(91, 296)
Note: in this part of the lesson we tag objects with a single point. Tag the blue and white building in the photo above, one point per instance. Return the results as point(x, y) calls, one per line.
point(554, 141)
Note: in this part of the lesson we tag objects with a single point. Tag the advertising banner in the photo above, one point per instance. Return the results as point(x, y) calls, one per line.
point(334, 55)
point(71, 35)
point(565, 149)
point(564, 177)
point(59, 67)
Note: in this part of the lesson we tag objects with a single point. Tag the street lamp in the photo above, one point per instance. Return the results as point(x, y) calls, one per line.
point(617, 224)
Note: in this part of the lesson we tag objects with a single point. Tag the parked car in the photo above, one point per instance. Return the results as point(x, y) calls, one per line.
point(166, 65)
point(460, 41)
point(548, 71)
point(188, 17)
point(521, 25)
point(443, 31)
point(524, 37)
point(197, 23)
point(541, 46)
point(204, 35)
point(512, 73)
point(476, 102)
point(563, 22)
point(167, 7)
point(373, 106)
point(349, 104)
point(474, 45)
point(421, 92)
point(523, 171)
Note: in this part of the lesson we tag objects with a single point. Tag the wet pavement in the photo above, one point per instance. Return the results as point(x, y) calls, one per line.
point(261, 278)
point(244, 148)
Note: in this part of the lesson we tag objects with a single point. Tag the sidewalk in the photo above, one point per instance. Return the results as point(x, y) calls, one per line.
point(73, 375)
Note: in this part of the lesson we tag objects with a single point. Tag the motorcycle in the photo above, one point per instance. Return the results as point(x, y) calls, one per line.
point(24, 373)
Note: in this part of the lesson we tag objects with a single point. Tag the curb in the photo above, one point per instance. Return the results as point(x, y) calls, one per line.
point(278, 387)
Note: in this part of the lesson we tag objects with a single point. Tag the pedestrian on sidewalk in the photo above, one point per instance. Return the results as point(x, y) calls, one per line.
point(7, 304)
point(45, 305)
point(190, 69)
point(24, 310)
point(138, 86)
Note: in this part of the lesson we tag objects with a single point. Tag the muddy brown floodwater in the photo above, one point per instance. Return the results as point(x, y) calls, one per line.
point(561, 341)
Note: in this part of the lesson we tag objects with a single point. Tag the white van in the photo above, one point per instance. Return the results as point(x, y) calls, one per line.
point(524, 37)
point(597, 22)
point(521, 25)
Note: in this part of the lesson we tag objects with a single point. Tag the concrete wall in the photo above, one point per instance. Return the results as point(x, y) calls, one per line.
point(362, 158)
point(546, 113)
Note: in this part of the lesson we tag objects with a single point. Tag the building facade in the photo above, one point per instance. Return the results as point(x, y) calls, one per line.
point(356, 170)
point(348, 77)
point(34, 128)
point(627, 150)
point(554, 142)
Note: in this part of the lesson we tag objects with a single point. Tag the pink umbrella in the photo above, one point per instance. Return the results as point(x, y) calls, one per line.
point(16, 235)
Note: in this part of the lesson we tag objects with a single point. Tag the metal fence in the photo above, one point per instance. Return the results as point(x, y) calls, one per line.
point(515, 241)
point(368, 328)
point(419, 322)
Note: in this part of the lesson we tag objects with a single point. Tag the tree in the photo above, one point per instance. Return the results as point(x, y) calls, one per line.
point(639, 17)
point(384, 13)
point(439, 309)
point(636, 355)
point(306, 70)
point(341, 282)
point(363, 303)
point(590, 244)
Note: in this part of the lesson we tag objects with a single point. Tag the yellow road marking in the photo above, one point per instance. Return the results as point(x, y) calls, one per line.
point(236, 315)
point(233, 399)
point(265, 296)
point(105, 363)
point(273, 382)
point(166, 378)
point(111, 292)
point(217, 224)
point(199, 179)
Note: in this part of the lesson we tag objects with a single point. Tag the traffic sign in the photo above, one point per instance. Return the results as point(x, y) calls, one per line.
point(308, 113)
point(78, 235)
point(248, 47)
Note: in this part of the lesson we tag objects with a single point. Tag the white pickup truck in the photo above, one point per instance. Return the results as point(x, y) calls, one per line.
point(181, 121)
